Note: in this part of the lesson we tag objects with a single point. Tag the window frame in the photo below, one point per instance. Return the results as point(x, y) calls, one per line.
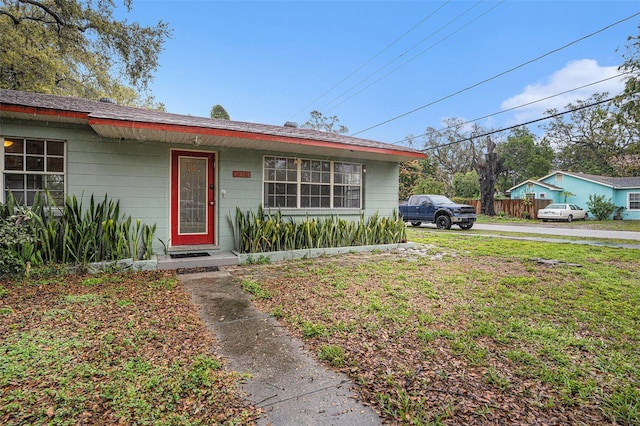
point(629, 201)
point(310, 184)
point(24, 173)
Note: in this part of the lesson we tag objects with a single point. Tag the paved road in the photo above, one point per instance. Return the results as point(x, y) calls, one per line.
point(555, 230)
point(527, 232)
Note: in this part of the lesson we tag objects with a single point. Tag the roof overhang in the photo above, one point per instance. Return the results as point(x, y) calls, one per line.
point(199, 136)
point(194, 135)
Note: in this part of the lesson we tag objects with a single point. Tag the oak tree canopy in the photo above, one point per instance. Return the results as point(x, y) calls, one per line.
point(77, 48)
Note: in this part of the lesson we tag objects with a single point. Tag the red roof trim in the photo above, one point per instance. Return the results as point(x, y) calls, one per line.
point(248, 135)
point(203, 130)
point(42, 111)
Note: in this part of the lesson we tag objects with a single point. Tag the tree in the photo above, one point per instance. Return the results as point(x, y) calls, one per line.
point(629, 100)
point(458, 149)
point(628, 164)
point(217, 111)
point(450, 149)
point(488, 166)
point(318, 121)
point(77, 48)
point(523, 158)
point(466, 185)
point(416, 177)
point(588, 137)
point(566, 194)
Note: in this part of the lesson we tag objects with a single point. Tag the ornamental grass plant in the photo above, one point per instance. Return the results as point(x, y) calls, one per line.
point(70, 234)
point(263, 231)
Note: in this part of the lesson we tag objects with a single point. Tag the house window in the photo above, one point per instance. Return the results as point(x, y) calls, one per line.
point(280, 182)
point(346, 189)
point(31, 166)
point(307, 183)
point(315, 186)
point(542, 196)
point(559, 177)
point(634, 200)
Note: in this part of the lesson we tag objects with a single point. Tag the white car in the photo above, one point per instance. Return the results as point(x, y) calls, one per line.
point(566, 212)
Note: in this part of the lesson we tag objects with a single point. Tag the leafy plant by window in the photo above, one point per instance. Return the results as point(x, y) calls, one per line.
point(45, 234)
point(261, 231)
point(600, 207)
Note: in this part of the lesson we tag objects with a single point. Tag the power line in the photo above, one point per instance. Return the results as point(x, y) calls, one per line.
point(504, 129)
point(407, 51)
point(497, 75)
point(516, 107)
point(371, 59)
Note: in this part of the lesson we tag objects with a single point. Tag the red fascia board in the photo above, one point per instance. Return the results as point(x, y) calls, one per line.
point(42, 111)
point(247, 135)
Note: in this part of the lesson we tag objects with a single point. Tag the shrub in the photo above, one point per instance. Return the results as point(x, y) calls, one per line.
point(261, 231)
point(600, 207)
point(10, 263)
point(47, 234)
point(17, 242)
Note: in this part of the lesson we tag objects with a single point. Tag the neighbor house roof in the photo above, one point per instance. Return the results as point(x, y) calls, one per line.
point(110, 120)
point(536, 182)
point(613, 182)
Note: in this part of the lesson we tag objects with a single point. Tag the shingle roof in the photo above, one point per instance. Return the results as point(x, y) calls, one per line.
point(105, 112)
point(536, 182)
point(614, 182)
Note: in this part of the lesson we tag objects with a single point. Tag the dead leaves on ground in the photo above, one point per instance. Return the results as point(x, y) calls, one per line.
point(111, 349)
point(413, 343)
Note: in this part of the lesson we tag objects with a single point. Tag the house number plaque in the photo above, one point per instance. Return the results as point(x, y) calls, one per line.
point(241, 174)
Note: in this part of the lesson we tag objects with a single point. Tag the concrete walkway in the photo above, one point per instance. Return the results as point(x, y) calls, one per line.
point(287, 382)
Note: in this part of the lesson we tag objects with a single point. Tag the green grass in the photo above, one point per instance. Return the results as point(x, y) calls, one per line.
point(460, 336)
point(74, 351)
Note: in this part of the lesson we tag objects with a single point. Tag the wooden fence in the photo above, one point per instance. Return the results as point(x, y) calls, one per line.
point(515, 208)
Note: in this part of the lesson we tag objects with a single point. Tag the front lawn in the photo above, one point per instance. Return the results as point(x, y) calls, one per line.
point(471, 330)
point(461, 330)
point(110, 349)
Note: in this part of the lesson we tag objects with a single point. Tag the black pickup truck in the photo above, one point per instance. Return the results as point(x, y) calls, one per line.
point(437, 209)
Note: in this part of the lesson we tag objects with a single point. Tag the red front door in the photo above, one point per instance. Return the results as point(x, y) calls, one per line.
point(192, 197)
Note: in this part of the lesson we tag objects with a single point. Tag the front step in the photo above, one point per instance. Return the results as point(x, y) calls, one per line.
point(195, 260)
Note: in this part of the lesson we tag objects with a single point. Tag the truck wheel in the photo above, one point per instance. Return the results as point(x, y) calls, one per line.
point(465, 225)
point(416, 223)
point(443, 222)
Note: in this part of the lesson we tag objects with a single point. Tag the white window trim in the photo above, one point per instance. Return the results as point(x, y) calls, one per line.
point(299, 183)
point(3, 171)
point(629, 200)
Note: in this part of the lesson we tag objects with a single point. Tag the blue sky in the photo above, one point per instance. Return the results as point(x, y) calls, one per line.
point(370, 61)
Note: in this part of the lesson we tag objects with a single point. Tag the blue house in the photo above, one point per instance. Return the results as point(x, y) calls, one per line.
point(575, 188)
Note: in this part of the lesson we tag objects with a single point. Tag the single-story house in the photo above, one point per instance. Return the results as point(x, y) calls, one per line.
point(189, 174)
point(575, 188)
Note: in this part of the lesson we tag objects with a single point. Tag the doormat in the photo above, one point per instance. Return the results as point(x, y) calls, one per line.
point(184, 271)
point(186, 255)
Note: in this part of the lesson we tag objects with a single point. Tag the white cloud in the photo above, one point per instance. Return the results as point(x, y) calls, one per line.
point(575, 74)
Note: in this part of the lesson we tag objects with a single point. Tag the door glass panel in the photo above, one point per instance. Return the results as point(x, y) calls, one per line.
point(193, 195)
